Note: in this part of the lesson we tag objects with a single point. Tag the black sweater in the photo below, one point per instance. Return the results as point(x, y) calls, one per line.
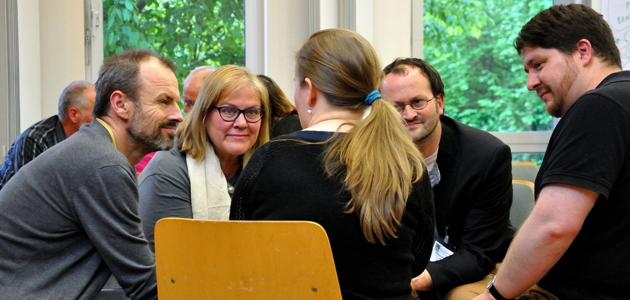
point(285, 180)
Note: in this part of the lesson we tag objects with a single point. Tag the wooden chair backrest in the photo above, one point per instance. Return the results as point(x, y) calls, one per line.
point(200, 259)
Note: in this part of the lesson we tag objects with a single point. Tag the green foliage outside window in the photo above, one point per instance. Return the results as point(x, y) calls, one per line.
point(470, 43)
point(190, 32)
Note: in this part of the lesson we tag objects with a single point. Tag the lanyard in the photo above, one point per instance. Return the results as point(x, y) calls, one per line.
point(111, 134)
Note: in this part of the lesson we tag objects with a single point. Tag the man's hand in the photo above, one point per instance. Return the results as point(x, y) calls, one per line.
point(423, 282)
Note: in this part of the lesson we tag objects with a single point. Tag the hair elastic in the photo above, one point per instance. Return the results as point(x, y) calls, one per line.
point(372, 96)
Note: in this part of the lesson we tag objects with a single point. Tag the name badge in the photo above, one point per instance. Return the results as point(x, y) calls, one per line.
point(439, 252)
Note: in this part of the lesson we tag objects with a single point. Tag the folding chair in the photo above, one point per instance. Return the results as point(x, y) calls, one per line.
point(199, 259)
point(523, 202)
point(524, 171)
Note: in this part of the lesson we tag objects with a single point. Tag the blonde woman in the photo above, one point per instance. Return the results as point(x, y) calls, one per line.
point(195, 179)
point(361, 178)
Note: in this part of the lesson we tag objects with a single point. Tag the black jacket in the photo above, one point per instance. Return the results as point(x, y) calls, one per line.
point(473, 201)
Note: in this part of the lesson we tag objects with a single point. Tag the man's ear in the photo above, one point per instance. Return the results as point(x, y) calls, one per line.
point(585, 50)
point(121, 105)
point(72, 114)
point(439, 99)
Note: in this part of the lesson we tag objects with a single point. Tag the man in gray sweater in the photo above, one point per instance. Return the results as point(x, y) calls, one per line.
point(69, 219)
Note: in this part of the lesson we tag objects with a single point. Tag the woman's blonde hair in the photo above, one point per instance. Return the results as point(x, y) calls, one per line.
point(192, 137)
point(377, 157)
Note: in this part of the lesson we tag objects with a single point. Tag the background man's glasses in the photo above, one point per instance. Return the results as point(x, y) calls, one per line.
point(186, 102)
point(230, 114)
point(417, 104)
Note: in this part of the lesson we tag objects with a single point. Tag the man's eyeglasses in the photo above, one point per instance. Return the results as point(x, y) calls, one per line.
point(417, 104)
point(185, 102)
point(230, 114)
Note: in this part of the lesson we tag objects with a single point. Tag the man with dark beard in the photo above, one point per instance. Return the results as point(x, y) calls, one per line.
point(574, 245)
point(69, 219)
point(471, 176)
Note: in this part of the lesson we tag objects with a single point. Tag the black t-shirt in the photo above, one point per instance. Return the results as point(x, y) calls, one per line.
point(285, 180)
point(590, 148)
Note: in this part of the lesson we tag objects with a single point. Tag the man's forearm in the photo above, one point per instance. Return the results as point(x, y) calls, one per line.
point(532, 254)
point(544, 237)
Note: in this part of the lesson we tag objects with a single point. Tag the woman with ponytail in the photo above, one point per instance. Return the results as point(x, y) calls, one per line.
point(354, 169)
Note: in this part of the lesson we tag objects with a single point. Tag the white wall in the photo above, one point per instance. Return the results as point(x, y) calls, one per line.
point(29, 63)
point(51, 54)
point(365, 19)
point(392, 29)
point(386, 24)
point(287, 29)
point(62, 49)
point(329, 19)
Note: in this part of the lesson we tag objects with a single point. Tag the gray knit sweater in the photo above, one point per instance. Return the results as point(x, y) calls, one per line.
point(69, 219)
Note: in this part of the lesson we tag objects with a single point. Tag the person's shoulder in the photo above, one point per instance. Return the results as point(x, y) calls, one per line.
point(619, 79)
point(167, 161)
point(285, 147)
point(48, 122)
point(422, 189)
point(288, 124)
point(41, 128)
point(92, 145)
point(290, 118)
point(611, 93)
point(281, 143)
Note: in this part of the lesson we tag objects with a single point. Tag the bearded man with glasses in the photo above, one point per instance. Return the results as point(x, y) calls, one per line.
point(471, 175)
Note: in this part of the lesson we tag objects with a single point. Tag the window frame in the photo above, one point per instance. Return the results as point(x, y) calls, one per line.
point(256, 57)
point(518, 141)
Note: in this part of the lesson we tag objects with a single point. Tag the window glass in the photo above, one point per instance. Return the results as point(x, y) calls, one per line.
point(536, 158)
point(190, 32)
point(470, 43)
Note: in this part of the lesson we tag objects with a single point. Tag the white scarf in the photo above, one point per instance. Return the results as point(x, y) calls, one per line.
point(208, 188)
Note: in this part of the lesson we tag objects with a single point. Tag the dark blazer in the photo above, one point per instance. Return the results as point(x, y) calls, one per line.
point(472, 204)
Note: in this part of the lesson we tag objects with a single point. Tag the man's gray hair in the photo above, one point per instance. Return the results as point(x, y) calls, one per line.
point(197, 69)
point(73, 96)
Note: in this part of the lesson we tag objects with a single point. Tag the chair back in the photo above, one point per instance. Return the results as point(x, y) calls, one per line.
point(523, 202)
point(524, 171)
point(200, 259)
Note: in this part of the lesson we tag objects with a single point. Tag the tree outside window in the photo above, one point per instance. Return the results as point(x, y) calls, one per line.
point(190, 32)
point(470, 43)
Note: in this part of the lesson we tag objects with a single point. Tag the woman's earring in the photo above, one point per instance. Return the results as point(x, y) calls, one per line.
point(309, 111)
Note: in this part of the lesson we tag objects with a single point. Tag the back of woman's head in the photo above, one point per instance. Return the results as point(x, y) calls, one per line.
point(376, 160)
point(341, 64)
point(191, 133)
point(278, 102)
